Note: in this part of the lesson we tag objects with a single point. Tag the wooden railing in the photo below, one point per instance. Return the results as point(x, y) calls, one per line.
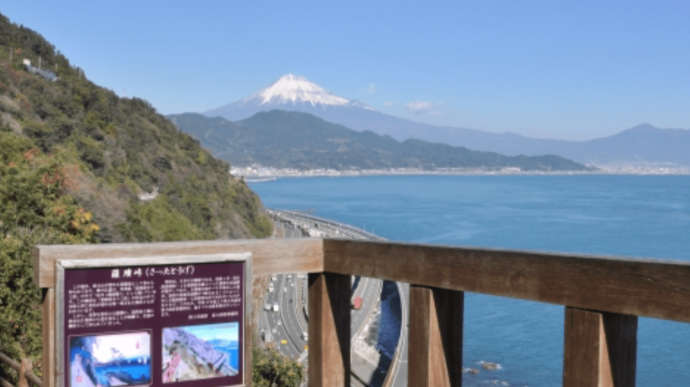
point(24, 373)
point(602, 297)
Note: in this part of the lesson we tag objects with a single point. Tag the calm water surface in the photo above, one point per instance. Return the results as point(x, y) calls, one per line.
point(637, 216)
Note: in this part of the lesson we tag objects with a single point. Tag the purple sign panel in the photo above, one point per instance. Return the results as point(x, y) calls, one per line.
point(175, 325)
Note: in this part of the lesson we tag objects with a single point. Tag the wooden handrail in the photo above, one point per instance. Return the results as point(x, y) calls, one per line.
point(602, 296)
point(17, 366)
point(270, 256)
point(651, 288)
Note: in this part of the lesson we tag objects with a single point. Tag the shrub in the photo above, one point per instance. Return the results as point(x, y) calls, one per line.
point(272, 369)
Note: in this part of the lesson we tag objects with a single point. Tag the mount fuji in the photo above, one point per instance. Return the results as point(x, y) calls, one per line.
point(295, 93)
point(641, 145)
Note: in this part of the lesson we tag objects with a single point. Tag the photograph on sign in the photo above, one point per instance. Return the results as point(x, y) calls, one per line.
point(122, 359)
point(200, 352)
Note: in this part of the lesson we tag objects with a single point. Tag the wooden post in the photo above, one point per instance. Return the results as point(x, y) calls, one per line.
point(329, 329)
point(600, 349)
point(48, 328)
point(248, 346)
point(26, 366)
point(435, 337)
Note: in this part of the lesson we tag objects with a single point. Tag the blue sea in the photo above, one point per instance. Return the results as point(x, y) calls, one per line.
point(232, 348)
point(636, 216)
point(132, 374)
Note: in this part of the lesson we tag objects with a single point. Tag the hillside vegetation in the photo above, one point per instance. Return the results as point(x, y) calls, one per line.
point(286, 139)
point(74, 160)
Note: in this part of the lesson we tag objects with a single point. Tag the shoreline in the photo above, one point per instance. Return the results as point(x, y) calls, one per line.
point(260, 173)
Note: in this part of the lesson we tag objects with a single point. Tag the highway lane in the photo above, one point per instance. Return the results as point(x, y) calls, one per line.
point(399, 364)
point(398, 372)
point(369, 293)
point(290, 290)
point(288, 313)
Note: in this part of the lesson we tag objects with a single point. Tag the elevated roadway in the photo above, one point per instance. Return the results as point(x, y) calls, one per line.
point(287, 326)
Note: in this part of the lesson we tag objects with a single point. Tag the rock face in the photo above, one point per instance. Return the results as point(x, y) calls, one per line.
point(186, 357)
point(490, 366)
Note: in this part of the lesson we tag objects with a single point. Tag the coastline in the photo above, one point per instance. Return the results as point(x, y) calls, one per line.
point(257, 173)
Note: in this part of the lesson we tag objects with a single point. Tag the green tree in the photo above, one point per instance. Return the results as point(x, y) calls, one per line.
point(272, 369)
point(35, 210)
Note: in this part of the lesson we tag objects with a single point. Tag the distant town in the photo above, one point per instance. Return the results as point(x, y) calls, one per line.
point(258, 172)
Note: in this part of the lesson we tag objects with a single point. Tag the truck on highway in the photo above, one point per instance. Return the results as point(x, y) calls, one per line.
point(276, 307)
point(357, 303)
point(266, 336)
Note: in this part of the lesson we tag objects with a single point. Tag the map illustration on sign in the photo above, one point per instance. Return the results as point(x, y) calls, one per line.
point(122, 359)
point(200, 352)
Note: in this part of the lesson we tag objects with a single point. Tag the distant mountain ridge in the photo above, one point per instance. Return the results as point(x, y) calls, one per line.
point(642, 144)
point(283, 139)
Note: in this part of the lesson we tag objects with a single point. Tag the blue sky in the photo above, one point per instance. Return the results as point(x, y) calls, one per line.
point(221, 331)
point(576, 69)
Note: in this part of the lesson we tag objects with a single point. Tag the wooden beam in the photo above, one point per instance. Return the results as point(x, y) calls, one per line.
point(249, 330)
point(269, 256)
point(435, 337)
point(25, 368)
point(600, 349)
point(329, 329)
point(659, 289)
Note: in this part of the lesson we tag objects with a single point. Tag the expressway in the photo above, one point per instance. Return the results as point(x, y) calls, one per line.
point(283, 319)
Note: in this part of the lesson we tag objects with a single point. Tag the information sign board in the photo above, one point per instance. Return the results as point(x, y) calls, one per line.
point(174, 321)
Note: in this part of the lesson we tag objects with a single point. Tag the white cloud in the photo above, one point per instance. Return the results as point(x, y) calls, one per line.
point(388, 103)
point(420, 107)
point(371, 89)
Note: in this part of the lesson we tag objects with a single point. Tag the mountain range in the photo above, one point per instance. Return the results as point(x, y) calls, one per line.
point(642, 144)
point(288, 139)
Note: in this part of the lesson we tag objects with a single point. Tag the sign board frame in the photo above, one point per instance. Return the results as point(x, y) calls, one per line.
point(62, 265)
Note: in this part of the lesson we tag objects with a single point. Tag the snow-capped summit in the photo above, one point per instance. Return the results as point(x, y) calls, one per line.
point(294, 93)
point(295, 89)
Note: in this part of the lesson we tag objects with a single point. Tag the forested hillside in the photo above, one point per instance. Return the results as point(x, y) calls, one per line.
point(78, 164)
point(288, 139)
